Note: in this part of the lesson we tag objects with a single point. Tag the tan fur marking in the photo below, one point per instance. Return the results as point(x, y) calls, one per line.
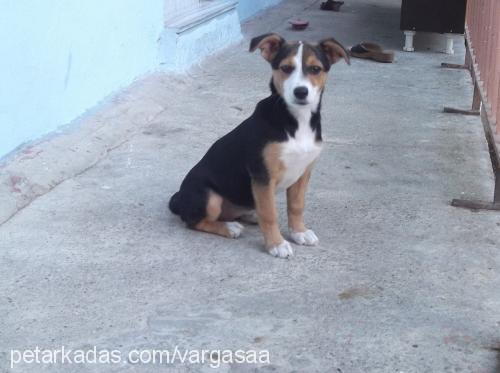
point(290, 60)
point(265, 206)
point(269, 46)
point(272, 160)
point(231, 212)
point(279, 76)
point(210, 224)
point(320, 79)
point(215, 227)
point(334, 51)
point(214, 206)
point(296, 202)
point(264, 195)
point(278, 80)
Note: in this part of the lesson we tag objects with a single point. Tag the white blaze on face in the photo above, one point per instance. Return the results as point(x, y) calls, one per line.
point(298, 79)
point(301, 149)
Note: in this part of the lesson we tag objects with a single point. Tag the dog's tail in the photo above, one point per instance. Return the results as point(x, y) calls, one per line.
point(173, 205)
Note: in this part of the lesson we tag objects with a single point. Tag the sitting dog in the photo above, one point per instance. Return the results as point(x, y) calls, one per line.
point(274, 149)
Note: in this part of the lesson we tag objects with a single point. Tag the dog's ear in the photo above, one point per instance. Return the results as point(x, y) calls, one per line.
point(269, 45)
point(334, 51)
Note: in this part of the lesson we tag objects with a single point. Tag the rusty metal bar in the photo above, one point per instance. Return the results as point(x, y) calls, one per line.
point(483, 39)
point(483, 60)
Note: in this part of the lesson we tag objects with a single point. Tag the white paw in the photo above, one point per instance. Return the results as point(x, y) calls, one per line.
point(234, 229)
point(307, 238)
point(283, 250)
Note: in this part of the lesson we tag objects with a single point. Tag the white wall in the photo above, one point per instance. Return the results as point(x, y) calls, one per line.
point(247, 8)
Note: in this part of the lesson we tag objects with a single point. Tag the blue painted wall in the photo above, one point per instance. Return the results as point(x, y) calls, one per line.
point(179, 51)
point(61, 57)
point(247, 8)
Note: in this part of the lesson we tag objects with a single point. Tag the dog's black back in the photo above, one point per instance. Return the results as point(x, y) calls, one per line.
point(232, 161)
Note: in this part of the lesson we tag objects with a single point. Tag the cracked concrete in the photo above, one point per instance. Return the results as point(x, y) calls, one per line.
point(401, 281)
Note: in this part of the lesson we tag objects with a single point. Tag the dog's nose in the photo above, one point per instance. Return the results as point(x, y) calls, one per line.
point(301, 92)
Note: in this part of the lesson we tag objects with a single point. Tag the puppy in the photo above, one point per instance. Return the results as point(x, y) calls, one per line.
point(273, 150)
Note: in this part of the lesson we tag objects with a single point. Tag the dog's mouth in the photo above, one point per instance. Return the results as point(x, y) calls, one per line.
point(301, 102)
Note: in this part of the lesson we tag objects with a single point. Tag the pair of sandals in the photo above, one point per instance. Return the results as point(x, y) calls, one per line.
point(372, 51)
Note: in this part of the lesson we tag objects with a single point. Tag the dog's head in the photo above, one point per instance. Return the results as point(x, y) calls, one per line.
point(299, 69)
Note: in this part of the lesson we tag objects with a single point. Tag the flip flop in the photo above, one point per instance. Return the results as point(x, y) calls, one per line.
point(372, 51)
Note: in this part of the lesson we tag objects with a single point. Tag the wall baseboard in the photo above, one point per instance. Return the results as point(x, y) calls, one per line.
point(190, 37)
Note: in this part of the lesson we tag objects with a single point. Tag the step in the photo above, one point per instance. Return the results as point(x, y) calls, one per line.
point(193, 35)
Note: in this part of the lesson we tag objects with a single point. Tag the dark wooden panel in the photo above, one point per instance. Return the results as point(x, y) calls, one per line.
point(441, 16)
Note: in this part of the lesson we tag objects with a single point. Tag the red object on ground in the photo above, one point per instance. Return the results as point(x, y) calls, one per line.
point(298, 24)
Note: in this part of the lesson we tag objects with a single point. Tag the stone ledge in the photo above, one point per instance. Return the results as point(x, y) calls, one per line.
point(190, 38)
point(200, 15)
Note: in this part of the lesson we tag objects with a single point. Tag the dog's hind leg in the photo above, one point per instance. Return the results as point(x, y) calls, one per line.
point(231, 212)
point(211, 224)
point(250, 218)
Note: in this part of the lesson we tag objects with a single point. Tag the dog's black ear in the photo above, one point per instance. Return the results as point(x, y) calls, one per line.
point(334, 51)
point(269, 45)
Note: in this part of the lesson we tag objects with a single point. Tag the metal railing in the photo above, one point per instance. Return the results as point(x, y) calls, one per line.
point(482, 59)
point(483, 38)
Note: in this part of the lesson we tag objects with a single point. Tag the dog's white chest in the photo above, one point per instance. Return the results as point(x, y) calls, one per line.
point(297, 154)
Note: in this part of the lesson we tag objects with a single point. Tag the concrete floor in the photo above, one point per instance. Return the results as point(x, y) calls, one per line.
point(401, 281)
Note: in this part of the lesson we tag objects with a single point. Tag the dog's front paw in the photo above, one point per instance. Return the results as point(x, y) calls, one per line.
point(234, 228)
point(307, 238)
point(283, 250)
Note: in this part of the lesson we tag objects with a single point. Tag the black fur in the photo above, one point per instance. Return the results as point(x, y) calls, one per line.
point(173, 204)
point(235, 159)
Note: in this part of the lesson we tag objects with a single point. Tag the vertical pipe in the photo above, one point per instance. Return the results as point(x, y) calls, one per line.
point(483, 31)
point(482, 40)
point(496, 100)
point(488, 24)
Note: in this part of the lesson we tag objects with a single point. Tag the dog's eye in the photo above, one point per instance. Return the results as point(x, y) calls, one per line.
point(314, 70)
point(287, 69)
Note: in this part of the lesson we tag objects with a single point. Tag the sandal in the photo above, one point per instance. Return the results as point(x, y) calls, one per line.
point(331, 5)
point(372, 51)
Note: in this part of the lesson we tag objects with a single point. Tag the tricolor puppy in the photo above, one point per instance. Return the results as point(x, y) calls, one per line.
point(273, 150)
